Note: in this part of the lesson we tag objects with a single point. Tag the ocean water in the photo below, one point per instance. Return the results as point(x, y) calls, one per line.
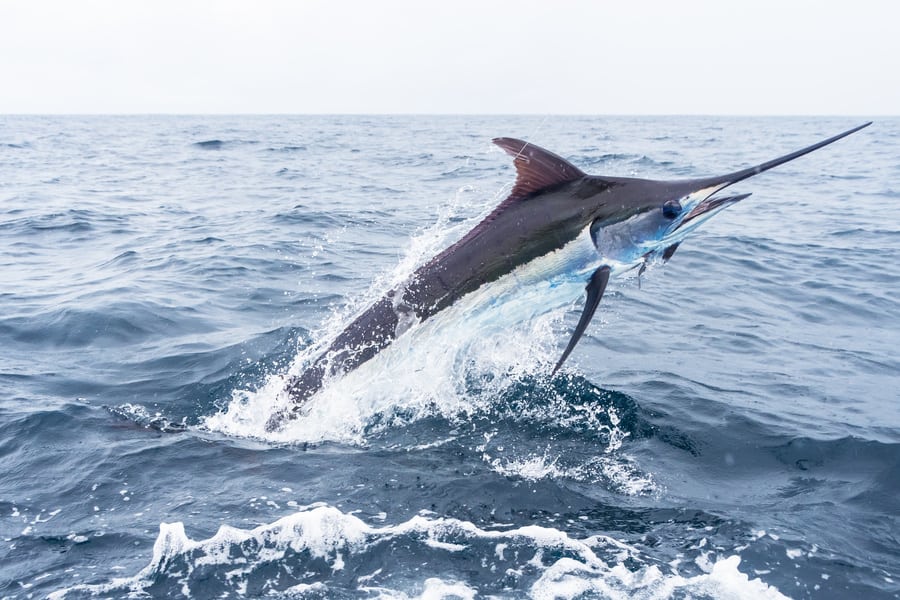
point(728, 429)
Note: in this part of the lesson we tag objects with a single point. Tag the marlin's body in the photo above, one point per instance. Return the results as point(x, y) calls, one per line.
point(576, 226)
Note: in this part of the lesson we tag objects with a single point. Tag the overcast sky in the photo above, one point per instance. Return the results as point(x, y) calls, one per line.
point(453, 56)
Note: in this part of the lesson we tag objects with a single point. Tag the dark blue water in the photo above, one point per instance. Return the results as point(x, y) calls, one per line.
point(730, 429)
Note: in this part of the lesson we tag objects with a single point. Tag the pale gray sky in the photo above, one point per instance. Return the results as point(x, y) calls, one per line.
point(457, 56)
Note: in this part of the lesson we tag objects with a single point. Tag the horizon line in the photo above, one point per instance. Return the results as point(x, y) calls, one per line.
point(433, 114)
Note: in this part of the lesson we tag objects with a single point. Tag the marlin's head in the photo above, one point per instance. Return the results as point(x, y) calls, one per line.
point(657, 230)
point(652, 218)
point(655, 222)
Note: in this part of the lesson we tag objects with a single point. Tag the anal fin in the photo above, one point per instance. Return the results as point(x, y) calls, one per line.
point(595, 288)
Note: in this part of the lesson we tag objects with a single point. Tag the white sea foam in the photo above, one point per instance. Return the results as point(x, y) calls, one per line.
point(547, 562)
point(418, 376)
point(422, 373)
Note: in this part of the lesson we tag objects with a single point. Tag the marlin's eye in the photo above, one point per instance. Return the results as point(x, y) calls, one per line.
point(671, 209)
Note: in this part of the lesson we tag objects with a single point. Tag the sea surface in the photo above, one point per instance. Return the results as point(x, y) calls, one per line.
point(729, 428)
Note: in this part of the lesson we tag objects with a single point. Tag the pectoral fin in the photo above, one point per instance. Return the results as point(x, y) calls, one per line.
point(595, 288)
point(668, 252)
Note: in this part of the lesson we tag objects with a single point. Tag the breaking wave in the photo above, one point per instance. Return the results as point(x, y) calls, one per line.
point(322, 552)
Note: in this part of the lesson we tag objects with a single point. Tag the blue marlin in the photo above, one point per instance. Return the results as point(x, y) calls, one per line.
point(557, 222)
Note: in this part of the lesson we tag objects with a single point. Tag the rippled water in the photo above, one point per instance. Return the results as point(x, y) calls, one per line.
point(729, 429)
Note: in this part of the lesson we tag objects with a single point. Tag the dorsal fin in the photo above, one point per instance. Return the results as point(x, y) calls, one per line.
point(536, 168)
